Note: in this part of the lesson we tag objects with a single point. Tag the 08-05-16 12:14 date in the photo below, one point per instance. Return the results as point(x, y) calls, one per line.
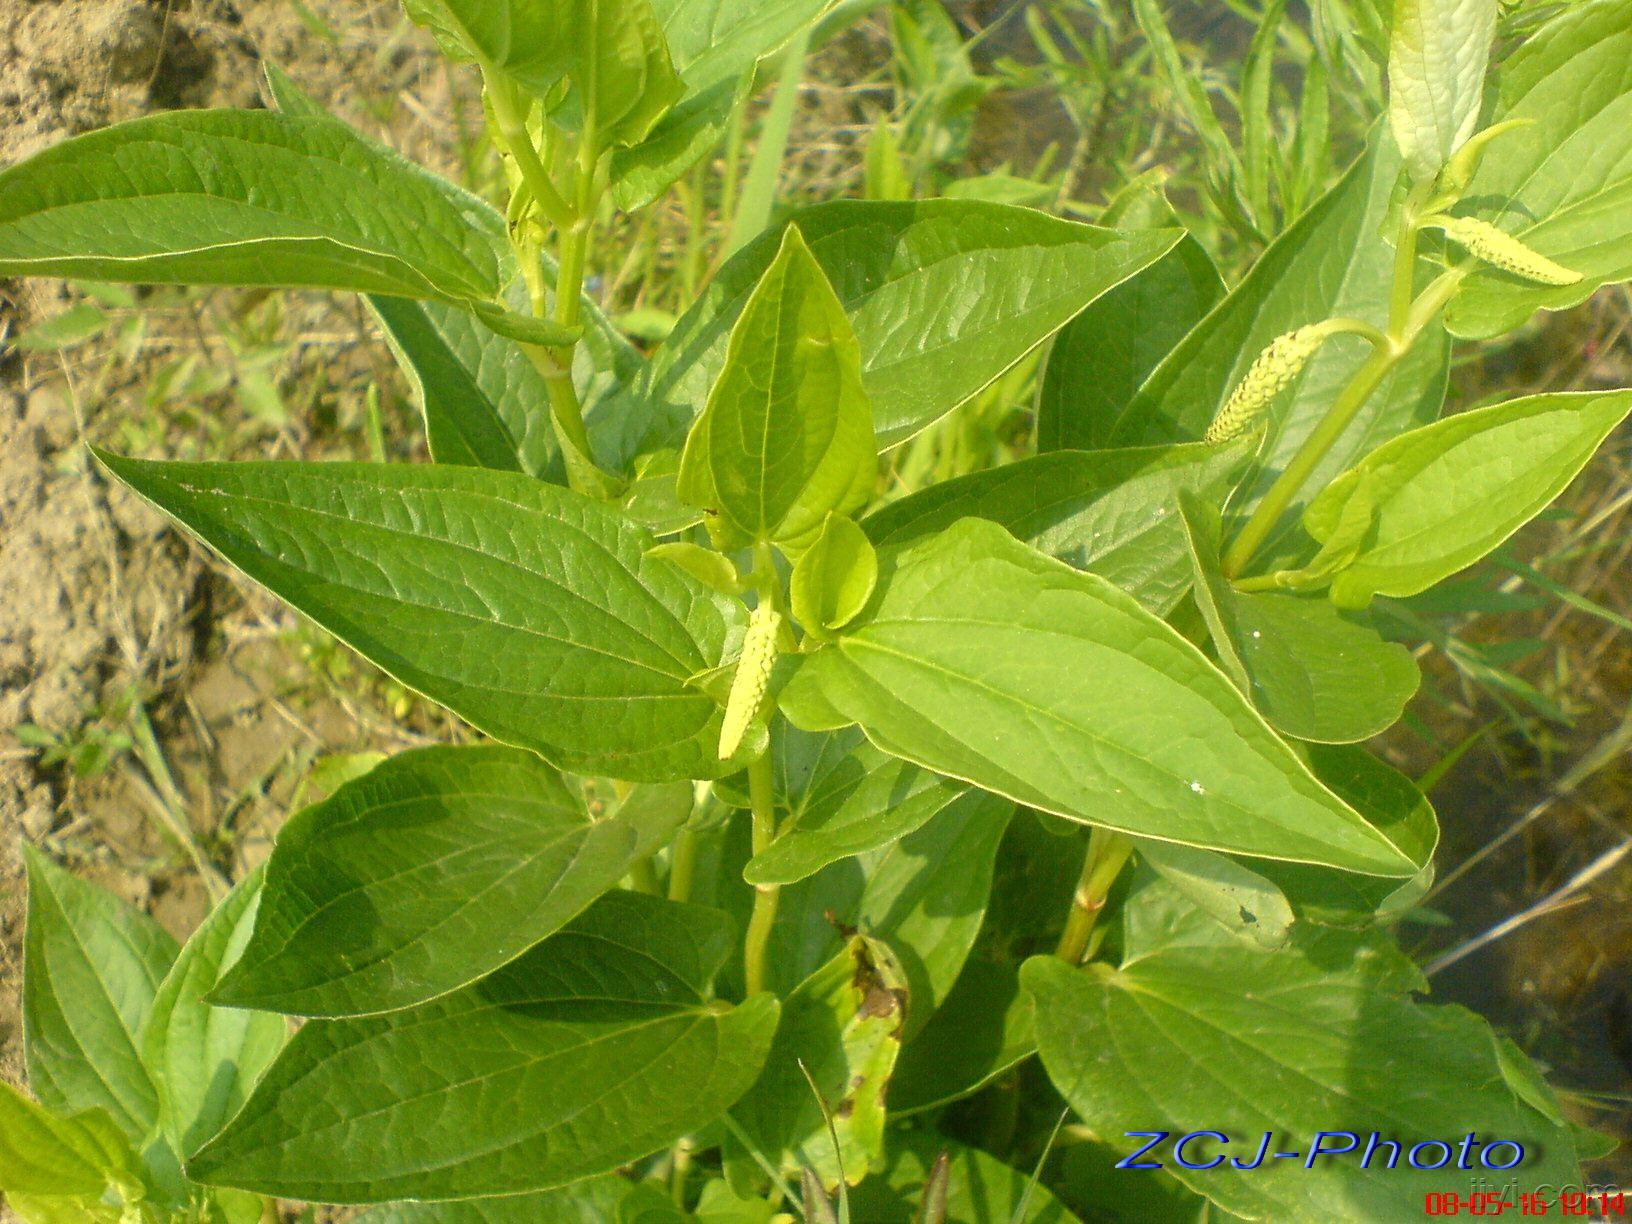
point(1569, 1204)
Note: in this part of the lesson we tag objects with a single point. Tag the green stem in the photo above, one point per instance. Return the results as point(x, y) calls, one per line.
point(1338, 418)
point(682, 865)
point(518, 142)
point(761, 797)
point(1107, 854)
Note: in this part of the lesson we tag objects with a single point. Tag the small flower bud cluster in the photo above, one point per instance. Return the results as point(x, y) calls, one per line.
point(1270, 373)
point(752, 678)
point(1502, 250)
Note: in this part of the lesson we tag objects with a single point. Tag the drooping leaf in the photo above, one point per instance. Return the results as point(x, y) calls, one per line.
point(530, 611)
point(787, 434)
point(1445, 495)
point(1293, 1043)
point(205, 1059)
point(91, 966)
point(599, 1046)
point(43, 1154)
point(714, 45)
point(433, 870)
point(1437, 54)
point(1330, 262)
point(1112, 512)
point(843, 798)
point(1001, 280)
point(842, 1026)
point(231, 197)
point(834, 578)
point(980, 1189)
point(1562, 182)
point(1232, 895)
point(982, 1029)
point(1314, 672)
point(1101, 357)
point(985, 660)
point(591, 1201)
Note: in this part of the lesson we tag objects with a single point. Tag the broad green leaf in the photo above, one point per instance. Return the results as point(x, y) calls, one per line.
point(1243, 1041)
point(1234, 896)
point(231, 197)
point(923, 894)
point(787, 434)
point(843, 798)
point(1101, 357)
point(1443, 496)
point(1392, 802)
point(1314, 672)
point(982, 1029)
point(599, 1046)
point(842, 1026)
point(1113, 513)
point(1001, 281)
point(485, 404)
point(591, 1201)
point(612, 51)
point(1437, 54)
point(1330, 262)
point(530, 611)
point(980, 1189)
point(91, 966)
point(714, 45)
point(43, 1154)
point(984, 660)
point(833, 580)
point(1562, 183)
point(204, 1059)
point(369, 896)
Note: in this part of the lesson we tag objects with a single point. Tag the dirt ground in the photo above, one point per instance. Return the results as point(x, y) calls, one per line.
point(103, 610)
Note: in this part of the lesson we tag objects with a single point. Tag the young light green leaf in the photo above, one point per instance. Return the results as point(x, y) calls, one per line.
point(91, 966)
point(1314, 672)
point(234, 197)
point(712, 569)
point(1234, 896)
point(1098, 361)
point(612, 51)
point(1447, 494)
point(987, 661)
point(980, 1189)
point(1562, 182)
point(1250, 1042)
point(834, 578)
point(528, 610)
point(204, 1059)
point(503, 1088)
point(368, 904)
point(1003, 279)
point(844, 798)
point(714, 45)
point(594, 1200)
point(787, 434)
point(1112, 512)
point(1437, 54)
point(842, 1027)
point(43, 1154)
point(1328, 264)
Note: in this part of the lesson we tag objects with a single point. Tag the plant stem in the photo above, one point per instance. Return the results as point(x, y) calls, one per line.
point(1107, 854)
point(517, 141)
point(682, 865)
point(1416, 315)
point(761, 796)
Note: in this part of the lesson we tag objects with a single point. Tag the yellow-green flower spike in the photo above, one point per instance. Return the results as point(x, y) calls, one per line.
point(1501, 249)
point(752, 678)
point(1271, 372)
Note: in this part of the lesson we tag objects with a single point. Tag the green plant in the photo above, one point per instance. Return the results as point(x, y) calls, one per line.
point(739, 897)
